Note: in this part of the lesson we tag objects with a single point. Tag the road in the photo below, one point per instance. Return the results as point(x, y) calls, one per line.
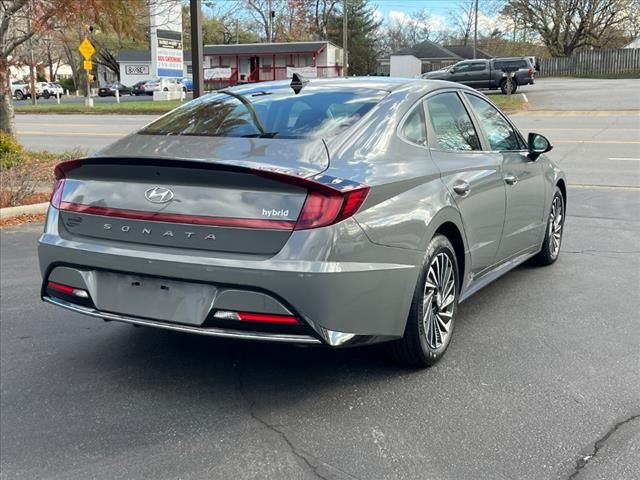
point(542, 373)
point(583, 94)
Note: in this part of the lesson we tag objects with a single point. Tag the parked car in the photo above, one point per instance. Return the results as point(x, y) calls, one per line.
point(49, 89)
point(21, 90)
point(139, 88)
point(321, 217)
point(187, 84)
point(163, 85)
point(481, 73)
point(110, 90)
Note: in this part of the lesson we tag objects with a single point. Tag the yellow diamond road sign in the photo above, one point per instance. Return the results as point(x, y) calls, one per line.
point(86, 49)
point(88, 65)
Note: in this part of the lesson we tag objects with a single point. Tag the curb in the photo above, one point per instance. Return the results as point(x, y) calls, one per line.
point(11, 212)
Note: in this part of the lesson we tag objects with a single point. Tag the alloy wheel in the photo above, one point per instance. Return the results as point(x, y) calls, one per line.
point(556, 218)
point(439, 300)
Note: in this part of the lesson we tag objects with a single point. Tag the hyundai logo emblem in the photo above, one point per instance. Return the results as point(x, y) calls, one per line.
point(159, 195)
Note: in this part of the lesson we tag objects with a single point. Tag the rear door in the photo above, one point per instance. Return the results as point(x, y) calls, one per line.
point(523, 179)
point(479, 75)
point(472, 176)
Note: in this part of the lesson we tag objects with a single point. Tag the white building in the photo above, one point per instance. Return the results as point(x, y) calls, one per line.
point(242, 63)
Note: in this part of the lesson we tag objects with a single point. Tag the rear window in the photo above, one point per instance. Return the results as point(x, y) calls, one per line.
point(274, 113)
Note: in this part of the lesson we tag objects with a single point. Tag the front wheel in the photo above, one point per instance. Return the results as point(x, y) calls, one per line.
point(19, 95)
point(553, 235)
point(433, 308)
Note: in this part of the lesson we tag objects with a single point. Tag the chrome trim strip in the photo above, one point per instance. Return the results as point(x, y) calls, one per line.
point(212, 332)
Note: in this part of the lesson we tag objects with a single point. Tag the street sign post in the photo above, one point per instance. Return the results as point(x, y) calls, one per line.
point(87, 50)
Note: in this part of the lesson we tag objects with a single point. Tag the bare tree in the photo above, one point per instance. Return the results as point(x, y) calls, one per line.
point(569, 25)
point(462, 18)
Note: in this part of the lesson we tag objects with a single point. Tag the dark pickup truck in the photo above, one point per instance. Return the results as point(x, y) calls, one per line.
point(490, 73)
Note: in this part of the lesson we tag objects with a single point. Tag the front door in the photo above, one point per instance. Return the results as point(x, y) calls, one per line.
point(254, 69)
point(473, 177)
point(523, 178)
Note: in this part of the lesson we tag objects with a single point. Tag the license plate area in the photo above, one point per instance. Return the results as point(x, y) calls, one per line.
point(154, 298)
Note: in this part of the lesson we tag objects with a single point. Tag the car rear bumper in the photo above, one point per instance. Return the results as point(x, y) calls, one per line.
point(344, 288)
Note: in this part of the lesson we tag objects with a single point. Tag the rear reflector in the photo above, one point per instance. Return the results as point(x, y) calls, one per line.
point(256, 317)
point(66, 289)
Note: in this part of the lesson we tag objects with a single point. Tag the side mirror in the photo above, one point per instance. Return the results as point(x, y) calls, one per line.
point(538, 144)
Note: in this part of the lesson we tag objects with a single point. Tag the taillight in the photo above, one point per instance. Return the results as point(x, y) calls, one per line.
point(531, 72)
point(256, 317)
point(329, 199)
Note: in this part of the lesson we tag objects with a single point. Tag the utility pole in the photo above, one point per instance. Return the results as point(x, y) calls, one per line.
point(32, 78)
point(196, 48)
point(270, 23)
point(345, 38)
point(475, 31)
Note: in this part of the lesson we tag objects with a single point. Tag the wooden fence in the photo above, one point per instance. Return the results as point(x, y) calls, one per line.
point(593, 63)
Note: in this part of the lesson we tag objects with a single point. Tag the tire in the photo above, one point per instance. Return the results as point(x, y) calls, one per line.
point(46, 94)
point(423, 343)
point(165, 89)
point(514, 86)
point(554, 231)
point(19, 95)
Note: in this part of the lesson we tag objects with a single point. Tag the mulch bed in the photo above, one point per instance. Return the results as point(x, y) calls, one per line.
point(20, 219)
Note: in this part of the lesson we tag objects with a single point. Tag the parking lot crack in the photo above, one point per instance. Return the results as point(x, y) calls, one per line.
point(312, 464)
point(584, 460)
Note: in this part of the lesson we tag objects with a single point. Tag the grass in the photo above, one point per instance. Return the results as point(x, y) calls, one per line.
point(510, 103)
point(127, 108)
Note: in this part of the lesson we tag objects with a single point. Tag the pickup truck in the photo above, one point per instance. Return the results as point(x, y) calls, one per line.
point(481, 73)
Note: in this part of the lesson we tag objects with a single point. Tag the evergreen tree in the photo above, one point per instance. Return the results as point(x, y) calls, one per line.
point(362, 39)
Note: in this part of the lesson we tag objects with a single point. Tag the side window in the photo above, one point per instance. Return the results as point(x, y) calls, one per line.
point(500, 134)
point(463, 67)
point(414, 128)
point(478, 67)
point(452, 124)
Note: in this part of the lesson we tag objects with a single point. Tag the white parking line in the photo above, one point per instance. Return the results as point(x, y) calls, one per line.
point(525, 98)
point(623, 158)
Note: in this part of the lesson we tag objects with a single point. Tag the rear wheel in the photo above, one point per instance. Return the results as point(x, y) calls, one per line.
point(504, 86)
point(435, 303)
point(553, 235)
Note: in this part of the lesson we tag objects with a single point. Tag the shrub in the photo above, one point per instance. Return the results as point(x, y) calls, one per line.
point(30, 179)
point(11, 152)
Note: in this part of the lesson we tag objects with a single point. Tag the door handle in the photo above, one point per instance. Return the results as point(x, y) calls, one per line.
point(510, 179)
point(462, 188)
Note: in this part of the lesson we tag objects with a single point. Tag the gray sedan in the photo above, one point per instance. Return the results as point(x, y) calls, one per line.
point(334, 212)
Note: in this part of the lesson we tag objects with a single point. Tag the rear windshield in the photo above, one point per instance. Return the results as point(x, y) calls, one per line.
point(275, 113)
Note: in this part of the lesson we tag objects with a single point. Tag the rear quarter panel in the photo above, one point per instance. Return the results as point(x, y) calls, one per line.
point(407, 201)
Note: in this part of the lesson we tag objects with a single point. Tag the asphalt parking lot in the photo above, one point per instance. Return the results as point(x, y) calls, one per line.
point(542, 379)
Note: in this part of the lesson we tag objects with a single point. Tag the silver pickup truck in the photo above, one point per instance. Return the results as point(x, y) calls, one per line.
point(488, 73)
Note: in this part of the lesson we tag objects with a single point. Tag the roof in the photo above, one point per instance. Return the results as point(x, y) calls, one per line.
point(131, 55)
point(428, 50)
point(466, 51)
point(265, 48)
